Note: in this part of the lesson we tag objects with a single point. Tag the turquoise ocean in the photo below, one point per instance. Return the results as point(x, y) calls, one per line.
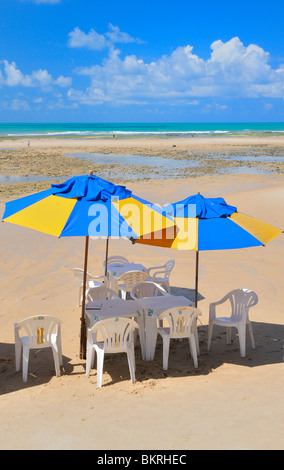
point(139, 129)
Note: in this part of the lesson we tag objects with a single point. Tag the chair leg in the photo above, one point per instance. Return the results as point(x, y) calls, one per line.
point(193, 350)
point(210, 331)
point(56, 339)
point(26, 354)
point(166, 286)
point(140, 321)
point(59, 345)
point(134, 335)
point(18, 354)
point(251, 335)
point(100, 363)
point(56, 359)
point(166, 349)
point(131, 363)
point(90, 359)
point(229, 335)
point(195, 332)
point(242, 339)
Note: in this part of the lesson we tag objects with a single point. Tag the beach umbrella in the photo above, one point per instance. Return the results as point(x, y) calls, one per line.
point(87, 206)
point(204, 224)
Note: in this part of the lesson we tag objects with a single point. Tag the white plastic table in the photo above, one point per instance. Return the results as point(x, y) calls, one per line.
point(152, 307)
point(101, 309)
point(115, 271)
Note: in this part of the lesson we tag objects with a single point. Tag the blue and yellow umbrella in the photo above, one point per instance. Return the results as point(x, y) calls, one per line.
point(210, 224)
point(87, 206)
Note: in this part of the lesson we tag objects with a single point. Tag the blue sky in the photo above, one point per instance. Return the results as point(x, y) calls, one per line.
point(141, 61)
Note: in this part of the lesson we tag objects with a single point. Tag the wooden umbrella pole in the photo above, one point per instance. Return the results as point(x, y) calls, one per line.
point(83, 341)
point(196, 277)
point(106, 256)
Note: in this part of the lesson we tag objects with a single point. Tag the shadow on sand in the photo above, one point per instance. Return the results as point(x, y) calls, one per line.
point(269, 340)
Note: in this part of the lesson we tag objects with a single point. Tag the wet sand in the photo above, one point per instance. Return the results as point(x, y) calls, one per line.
point(51, 158)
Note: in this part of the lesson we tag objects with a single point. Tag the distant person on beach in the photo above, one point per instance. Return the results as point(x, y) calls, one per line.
point(28, 143)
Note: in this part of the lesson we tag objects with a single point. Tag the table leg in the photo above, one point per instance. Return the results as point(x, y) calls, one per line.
point(154, 334)
point(141, 324)
point(151, 335)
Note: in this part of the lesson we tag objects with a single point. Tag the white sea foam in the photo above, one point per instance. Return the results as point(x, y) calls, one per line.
point(98, 133)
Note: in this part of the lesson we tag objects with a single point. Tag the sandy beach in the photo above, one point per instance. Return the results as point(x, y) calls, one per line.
point(229, 402)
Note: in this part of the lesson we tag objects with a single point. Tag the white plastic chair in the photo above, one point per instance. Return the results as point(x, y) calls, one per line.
point(147, 289)
point(117, 336)
point(130, 279)
point(42, 332)
point(241, 301)
point(91, 281)
point(182, 323)
point(161, 274)
point(101, 293)
point(115, 259)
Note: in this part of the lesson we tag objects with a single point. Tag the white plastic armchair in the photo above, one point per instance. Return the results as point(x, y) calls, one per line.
point(182, 323)
point(41, 332)
point(117, 260)
point(241, 301)
point(91, 281)
point(130, 279)
point(101, 293)
point(161, 274)
point(147, 289)
point(117, 337)
point(114, 260)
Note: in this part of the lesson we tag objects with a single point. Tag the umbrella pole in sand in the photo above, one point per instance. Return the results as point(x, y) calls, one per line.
point(106, 256)
point(83, 322)
point(196, 277)
point(83, 341)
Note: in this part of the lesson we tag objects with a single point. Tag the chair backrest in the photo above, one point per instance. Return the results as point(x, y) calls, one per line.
point(147, 289)
point(101, 293)
point(115, 332)
point(39, 329)
point(180, 320)
point(169, 267)
point(79, 274)
point(115, 259)
point(131, 278)
point(165, 270)
point(241, 300)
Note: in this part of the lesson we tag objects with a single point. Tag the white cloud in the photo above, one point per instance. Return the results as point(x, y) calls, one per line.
point(115, 35)
point(63, 82)
point(14, 76)
point(232, 71)
point(96, 41)
point(16, 105)
point(40, 78)
point(92, 40)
